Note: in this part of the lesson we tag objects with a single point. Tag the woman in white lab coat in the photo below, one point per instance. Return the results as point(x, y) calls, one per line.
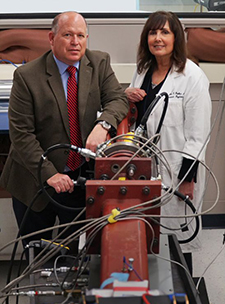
point(162, 66)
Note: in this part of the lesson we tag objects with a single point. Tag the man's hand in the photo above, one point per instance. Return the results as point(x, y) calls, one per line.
point(187, 189)
point(135, 94)
point(61, 183)
point(97, 136)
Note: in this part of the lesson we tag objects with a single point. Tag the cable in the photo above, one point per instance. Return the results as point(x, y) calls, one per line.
point(155, 200)
point(19, 268)
point(189, 203)
point(28, 271)
point(53, 251)
point(132, 269)
point(18, 234)
point(212, 175)
point(85, 248)
point(152, 243)
point(145, 299)
point(6, 60)
point(207, 139)
point(43, 157)
point(199, 280)
point(55, 265)
point(88, 226)
point(140, 129)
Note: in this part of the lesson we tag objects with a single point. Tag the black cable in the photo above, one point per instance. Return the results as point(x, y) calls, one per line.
point(83, 253)
point(50, 149)
point(190, 205)
point(42, 190)
point(140, 130)
point(19, 268)
point(144, 119)
point(12, 259)
point(162, 116)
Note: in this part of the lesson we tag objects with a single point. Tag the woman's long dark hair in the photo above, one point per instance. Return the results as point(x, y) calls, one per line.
point(157, 20)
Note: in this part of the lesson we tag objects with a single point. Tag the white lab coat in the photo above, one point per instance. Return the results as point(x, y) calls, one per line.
point(185, 128)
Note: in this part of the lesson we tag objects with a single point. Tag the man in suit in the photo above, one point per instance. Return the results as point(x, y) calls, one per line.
point(38, 118)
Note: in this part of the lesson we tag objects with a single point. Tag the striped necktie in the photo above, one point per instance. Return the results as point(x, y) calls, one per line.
point(74, 159)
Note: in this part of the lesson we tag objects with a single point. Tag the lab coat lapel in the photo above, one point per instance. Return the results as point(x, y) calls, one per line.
point(55, 83)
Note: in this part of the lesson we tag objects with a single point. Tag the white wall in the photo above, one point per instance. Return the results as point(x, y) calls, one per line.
point(28, 6)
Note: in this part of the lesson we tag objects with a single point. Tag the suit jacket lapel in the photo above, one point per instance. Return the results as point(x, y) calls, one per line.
point(55, 83)
point(85, 74)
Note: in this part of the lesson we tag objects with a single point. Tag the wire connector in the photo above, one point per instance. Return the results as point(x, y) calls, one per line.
point(114, 213)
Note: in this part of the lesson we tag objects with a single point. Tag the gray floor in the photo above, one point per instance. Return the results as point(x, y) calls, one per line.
point(212, 244)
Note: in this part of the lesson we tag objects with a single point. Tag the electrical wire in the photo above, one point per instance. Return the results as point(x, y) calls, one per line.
point(186, 216)
point(140, 129)
point(143, 145)
point(23, 275)
point(207, 138)
point(53, 251)
point(84, 250)
point(152, 243)
point(44, 258)
point(145, 299)
point(196, 158)
point(189, 203)
point(213, 260)
point(55, 265)
point(58, 237)
point(212, 175)
point(154, 215)
point(19, 269)
point(218, 116)
point(175, 190)
point(42, 159)
point(18, 234)
point(43, 189)
point(132, 269)
point(43, 230)
point(6, 60)
point(164, 161)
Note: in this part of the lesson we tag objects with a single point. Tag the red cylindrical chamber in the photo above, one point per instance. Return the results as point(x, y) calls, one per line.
point(124, 239)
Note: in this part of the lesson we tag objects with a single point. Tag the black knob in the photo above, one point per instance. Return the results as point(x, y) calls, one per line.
point(146, 190)
point(90, 200)
point(101, 190)
point(133, 110)
point(123, 190)
point(104, 177)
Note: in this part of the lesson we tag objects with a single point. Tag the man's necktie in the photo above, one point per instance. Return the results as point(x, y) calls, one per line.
point(74, 159)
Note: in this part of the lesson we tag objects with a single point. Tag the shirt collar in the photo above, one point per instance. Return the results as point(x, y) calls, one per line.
point(63, 66)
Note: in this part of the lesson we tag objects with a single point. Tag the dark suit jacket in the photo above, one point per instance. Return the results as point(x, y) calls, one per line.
point(38, 117)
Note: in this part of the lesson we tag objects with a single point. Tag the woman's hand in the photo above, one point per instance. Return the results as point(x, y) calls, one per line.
point(135, 94)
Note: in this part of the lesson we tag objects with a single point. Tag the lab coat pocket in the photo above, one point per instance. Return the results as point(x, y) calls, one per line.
point(174, 114)
point(172, 170)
